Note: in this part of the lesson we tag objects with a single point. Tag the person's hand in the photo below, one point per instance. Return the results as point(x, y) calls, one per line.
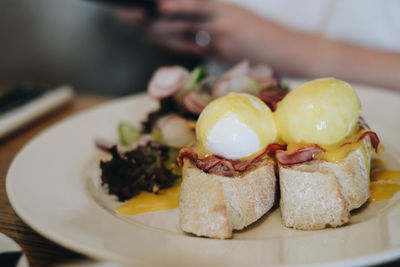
point(234, 32)
point(170, 31)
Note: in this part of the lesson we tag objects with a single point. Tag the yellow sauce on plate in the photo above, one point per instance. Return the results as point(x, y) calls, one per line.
point(383, 191)
point(386, 175)
point(146, 202)
point(384, 183)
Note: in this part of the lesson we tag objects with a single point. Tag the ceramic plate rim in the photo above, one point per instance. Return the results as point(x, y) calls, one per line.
point(378, 257)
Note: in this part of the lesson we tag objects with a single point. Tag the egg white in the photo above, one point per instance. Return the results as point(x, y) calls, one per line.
point(230, 138)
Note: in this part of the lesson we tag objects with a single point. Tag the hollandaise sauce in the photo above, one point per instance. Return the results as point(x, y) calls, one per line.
point(386, 175)
point(383, 191)
point(384, 183)
point(338, 152)
point(146, 202)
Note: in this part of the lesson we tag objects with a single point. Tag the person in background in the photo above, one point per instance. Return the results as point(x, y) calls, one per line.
point(357, 41)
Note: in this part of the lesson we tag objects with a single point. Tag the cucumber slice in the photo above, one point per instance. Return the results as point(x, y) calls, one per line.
point(128, 134)
point(195, 76)
point(157, 136)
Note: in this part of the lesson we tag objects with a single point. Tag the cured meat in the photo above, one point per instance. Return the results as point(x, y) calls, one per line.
point(222, 166)
point(271, 99)
point(300, 155)
point(374, 139)
point(306, 153)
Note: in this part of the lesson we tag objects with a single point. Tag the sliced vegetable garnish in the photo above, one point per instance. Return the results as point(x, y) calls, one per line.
point(191, 84)
point(175, 131)
point(128, 134)
point(196, 101)
point(194, 78)
point(167, 81)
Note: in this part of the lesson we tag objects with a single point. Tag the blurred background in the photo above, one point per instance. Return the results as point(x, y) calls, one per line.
point(77, 42)
point(87, 45)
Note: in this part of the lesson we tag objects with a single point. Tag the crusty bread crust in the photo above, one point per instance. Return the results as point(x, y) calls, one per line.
point(214, 205)
point(319, 193)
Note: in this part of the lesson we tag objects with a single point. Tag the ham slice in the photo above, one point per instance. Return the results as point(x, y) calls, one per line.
point(374, 139)
point(297, 156)
point(271, 98)
point(306, 153)
point(222, 166)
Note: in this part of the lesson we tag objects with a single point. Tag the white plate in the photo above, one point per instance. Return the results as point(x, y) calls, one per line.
point(53, 186)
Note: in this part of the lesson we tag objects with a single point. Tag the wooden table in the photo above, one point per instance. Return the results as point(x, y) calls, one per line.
point(39, 250)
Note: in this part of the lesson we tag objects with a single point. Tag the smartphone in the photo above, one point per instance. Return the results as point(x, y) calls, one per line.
point(149, 5)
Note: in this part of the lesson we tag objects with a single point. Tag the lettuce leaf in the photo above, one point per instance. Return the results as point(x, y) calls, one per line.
point(146, 168)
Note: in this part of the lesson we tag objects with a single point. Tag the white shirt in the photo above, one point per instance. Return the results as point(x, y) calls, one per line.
point(370, 23)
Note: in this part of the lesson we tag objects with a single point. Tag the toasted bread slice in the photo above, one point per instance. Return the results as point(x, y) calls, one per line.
point(213, 205)
point(318, 194)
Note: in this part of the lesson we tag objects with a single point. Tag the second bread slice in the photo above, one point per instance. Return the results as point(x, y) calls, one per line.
point(318, 193)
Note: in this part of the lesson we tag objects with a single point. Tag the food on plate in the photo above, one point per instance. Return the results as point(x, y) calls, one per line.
point(128, 134)
point(167, 81)
point(383, 190)
point(228, 177)
point(174, 131)
point(385, 183)
point(322, 111)
point(182, 96)
point(165, 199)
point(150, 167)
point(243, 78)
point(248, 127)
point(234, 133)
point(235, 127)
point(324, 172)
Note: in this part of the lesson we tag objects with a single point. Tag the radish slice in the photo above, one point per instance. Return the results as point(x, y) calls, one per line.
point(245, 79)
point(242, 84)
point(264, 75)
point(103, 143)
point(175, 131)
point(238, 70)
point(222, 87)
point(232, 81)
point(167, 81)
point(196, 101)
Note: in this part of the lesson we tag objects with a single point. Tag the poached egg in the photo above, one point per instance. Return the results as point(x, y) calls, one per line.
point(322, 111)
point(235, 126)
